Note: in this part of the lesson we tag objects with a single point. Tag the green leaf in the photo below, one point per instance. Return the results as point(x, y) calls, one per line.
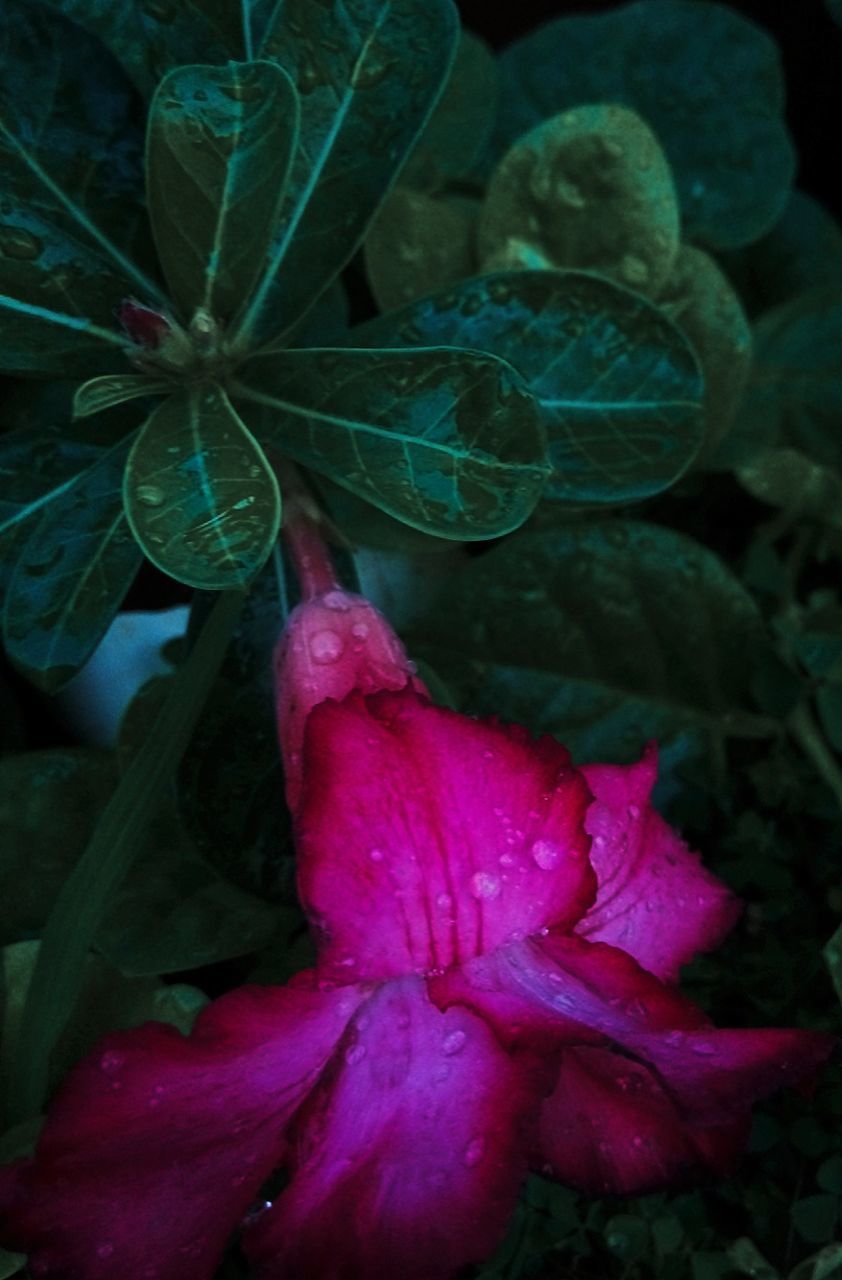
point(460, 127)
point(589, 189)
point(802, 251)
point(104, 392)
point(418, 243)
point(173, 911)
point(446, 441)
point(11, 1263)
point(368, 73)
point(219, 148)
point(617, 383)
point(149, 39)
point(815, 1217)
point(788, 479)
point(200, 496)
point(748, 1260)
point(530, 631)
point(117, 840)
point(72, 574)
point(706, 80)
point(627, 1237)
point(795, 393)
point(829, 1175)
point(71, 214)
point(824, 1265)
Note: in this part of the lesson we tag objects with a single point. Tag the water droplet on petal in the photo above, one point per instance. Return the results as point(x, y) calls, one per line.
point(105, 1250)
point(485, 886)
point(454, 1043)
point(326, 647)
point(634, 812)
point(110, 1062)
point(704, 1047)
point(546, 854)
point(376, 855)
point(474, 1152)
point(444, 902)
point(355, 1054)
point(337, 600)
point(359, 631)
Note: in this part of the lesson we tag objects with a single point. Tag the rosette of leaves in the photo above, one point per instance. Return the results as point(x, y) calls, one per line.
point(181, 268)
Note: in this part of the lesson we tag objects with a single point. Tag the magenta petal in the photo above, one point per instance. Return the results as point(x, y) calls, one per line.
point(157, 1144)
point(408, 1155)
point(427, 837)
point(655, 899)
point(610, 1126)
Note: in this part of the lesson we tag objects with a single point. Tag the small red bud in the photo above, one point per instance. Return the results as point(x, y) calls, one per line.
point(146, 327)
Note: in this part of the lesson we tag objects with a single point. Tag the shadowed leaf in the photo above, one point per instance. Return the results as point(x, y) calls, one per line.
point(446, 441)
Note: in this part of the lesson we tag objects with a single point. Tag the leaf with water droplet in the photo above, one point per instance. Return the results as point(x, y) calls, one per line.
point(446, 441)
point(72, 574)
point(706, 80)
point(200, 496)
point(418, 243)
point(217, 169)
point(368, 76)
point(617, 383)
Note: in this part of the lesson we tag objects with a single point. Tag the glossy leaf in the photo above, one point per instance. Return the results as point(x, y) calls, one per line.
point(72, 573)
point(617, 383)
point(173, 911)
point(37, 465)
point(461, 125)
point(589, 189)
point(605, 635)
point(419, 243)
point(446, 441)
point(706, 80)
point(368, 73)
point(219, 147)
point(105, 392)
point(149, 39)
point(71, 213)
point(200, 496)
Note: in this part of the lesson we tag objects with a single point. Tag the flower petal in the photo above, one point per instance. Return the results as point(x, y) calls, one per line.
point(427, 837)
point(408, 1155)
point(611, 1126)
point(157, 1143)
point(709, 1077)
point(655, 899)
point(331, 644)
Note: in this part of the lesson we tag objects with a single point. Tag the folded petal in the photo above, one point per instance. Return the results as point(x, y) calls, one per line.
point(158, 1143)
point(611, 1126)
point(426, 837)
point(332, 643)
point(407, 1158)
point(630, 1026)
point(655, 899)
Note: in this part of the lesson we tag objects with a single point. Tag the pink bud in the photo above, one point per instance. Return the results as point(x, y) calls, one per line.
point(145, 326)
point(332, 644)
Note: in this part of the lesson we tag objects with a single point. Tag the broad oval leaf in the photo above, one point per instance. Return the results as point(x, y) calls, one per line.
point(617, 383)
point(200, 496)
point(368, 73)
point(219, 146)
point(71, 197)
point(447, 441)
point(71, 575)
point(709, 83)
point(604, 634)
point(418, 243)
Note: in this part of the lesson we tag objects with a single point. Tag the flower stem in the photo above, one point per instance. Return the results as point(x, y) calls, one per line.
point(301, 530)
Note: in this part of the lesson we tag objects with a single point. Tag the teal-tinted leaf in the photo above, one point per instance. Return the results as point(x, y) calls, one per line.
point(627, 1237)
point(605, 634)
point(419, 243)
point(151, 37)
point(201, 498)
point(824, 1265)
point(704, 78)
point(104, 392)
point(795, 393)
point(815, 1217)
point(172, 912)
point(462, 122)
point(803, 251)
point(219, 147)
point(37, 464)
point(72, 574)
point(617, 383)
point(71, 212)
point(789, 479)
point(446, 441)
point(326, 323)
point(368, 73)
point(749, 1261)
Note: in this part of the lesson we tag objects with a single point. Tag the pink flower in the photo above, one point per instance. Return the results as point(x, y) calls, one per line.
point(499, 935)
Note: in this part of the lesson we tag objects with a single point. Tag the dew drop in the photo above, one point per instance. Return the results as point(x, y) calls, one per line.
point(337, 601)
point(19, 244)
point(474, 1152)
point(444, 902)
point(454, 1043)
point(359, 631)
point(105, 1250)
point(149, 494)
point(704, 1047)
point(326, 647)
point(485, 886)
point(376, 855)
point(634, 812)
point(355, 1054)
point(546, 854)
point(633, 269)
point(111, 1062)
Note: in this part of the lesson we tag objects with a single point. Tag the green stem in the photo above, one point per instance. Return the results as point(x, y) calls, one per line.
point(811, 740)
point(118, 838)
